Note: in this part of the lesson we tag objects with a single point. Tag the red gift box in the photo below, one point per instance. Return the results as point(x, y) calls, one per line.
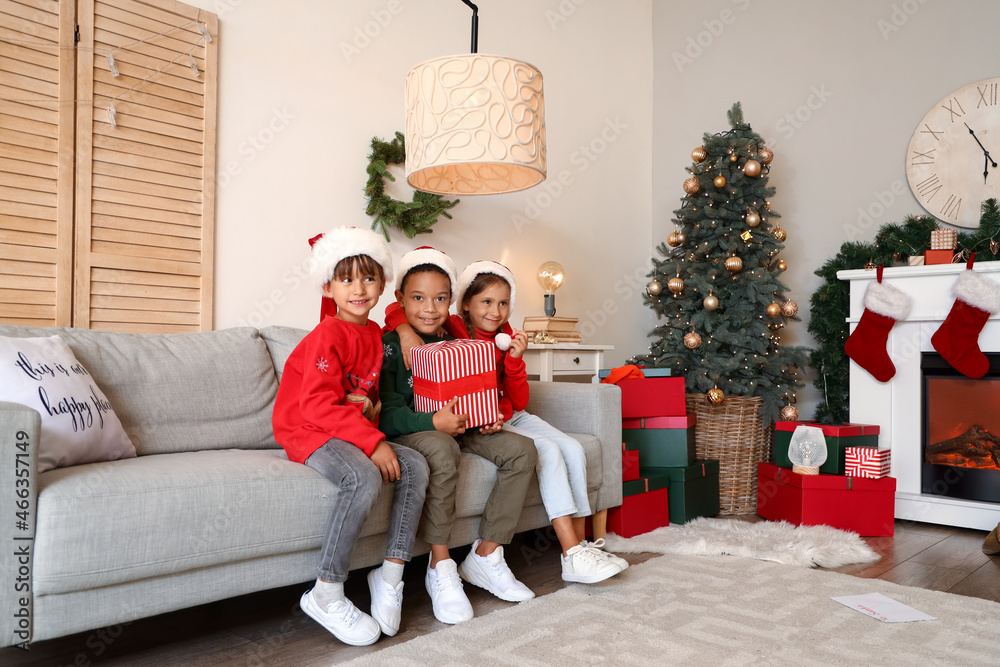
point(652, 397)
point(640, 513)
point(630, 465)
point(863, 506)
point(457, 368)
point(686, 421)
point(832, 430)
point(938, 256)
point(867, 462)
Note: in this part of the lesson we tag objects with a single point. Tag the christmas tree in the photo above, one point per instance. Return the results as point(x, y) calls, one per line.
point(717, 285)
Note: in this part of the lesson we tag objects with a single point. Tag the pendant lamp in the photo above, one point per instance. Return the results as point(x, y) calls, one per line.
point(475, 124)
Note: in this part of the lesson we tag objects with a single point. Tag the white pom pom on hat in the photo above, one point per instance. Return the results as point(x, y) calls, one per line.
point(480, 267)
point(426, 255)
point(339, 243)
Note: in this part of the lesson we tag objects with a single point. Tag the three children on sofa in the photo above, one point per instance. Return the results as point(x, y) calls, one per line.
point(346, 390)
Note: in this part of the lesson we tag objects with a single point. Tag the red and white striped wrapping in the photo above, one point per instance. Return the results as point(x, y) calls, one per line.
point(866, 462)
point(463, 368)
point(944, 239)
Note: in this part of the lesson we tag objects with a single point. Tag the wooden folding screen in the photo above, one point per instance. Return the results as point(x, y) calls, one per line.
point(144, 171)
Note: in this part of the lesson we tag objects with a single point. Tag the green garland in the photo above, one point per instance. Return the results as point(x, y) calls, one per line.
point(831, 302)
point(412, 218)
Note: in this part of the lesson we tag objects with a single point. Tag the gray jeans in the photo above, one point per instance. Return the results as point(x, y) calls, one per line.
point(358, 484)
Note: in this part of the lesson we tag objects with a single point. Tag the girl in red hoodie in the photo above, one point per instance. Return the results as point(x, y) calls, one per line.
point(485, 297)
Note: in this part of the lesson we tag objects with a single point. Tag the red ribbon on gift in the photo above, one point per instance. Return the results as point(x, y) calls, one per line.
point(445, 391)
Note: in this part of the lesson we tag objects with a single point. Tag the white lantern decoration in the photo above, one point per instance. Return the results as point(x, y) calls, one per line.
point(807, 450)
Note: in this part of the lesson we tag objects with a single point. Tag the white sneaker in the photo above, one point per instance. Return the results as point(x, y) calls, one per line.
point(447, 597)
point(598, 546)
point(585, 565)
point(345, 621)
point(491, 572)
point(387, 602)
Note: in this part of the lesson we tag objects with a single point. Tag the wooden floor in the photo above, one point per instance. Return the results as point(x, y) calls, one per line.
point(269, 629)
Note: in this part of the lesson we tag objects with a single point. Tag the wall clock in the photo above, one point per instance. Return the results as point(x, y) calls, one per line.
point(951, 162)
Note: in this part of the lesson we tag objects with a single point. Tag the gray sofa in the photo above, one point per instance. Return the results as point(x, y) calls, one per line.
point(210, 508)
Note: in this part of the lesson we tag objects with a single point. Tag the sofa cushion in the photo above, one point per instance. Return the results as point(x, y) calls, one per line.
point(180, 392)
point(281, 341)
point(107, 523)
point(79, 425)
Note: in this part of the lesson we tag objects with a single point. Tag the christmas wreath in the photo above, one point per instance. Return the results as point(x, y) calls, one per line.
point(830, 304)
point(413, 217)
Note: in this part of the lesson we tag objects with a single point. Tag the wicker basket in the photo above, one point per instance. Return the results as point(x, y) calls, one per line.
point(731, 434)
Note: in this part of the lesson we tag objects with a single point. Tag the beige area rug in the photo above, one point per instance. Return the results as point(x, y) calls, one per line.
point(775, 541)
point(690, 610)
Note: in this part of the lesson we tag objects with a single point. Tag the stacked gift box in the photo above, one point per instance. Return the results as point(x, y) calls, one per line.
point(852, 490)
point(663, 483)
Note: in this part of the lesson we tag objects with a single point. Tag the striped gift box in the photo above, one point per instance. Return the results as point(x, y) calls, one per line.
point(944, 239)
point(867, 462)
point(457, 368)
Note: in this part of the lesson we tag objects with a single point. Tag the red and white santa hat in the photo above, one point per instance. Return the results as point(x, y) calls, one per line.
point(426, 255)
point(339, 243)
point(484, 266)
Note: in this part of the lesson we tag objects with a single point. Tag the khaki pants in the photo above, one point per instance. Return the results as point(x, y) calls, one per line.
point(513, 455)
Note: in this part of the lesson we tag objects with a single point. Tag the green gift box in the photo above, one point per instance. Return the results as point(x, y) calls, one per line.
point(650, 481)
point(662, 447)
point(838, 438)
point(694, 490)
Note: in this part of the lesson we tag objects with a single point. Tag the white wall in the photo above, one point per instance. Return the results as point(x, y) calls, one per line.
point(836, 88)
point(303, 90)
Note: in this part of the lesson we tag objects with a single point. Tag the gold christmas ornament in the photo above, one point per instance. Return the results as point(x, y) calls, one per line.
point(869, 266)
point(711, 302)
point(675, 239)
point(751, 168)
point(720, 181)
point(714, 396)
point(692, 341)
point(773, 309)
point(789, 308)
point(994, 246)
point(699, 154)
point(753, 219)
point(734, 263)
point(767, 205)
point(766, 155)
point(675, 285)
point(782, 265)
point(655, 288)
point(779, 234)
point(746, 236)
point(691, 185)
point(789, 413)
point(732, 157)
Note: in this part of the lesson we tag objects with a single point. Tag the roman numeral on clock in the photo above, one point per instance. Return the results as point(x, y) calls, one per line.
point(987, 95)
point(951, 207)
point(950, 106)
point(922, 158)
point(933, 133)
point(929, 187)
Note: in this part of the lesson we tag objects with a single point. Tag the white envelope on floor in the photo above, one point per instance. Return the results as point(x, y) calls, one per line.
point(883, 608)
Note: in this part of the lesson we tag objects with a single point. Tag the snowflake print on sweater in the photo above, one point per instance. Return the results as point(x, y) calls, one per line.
point(322, 364)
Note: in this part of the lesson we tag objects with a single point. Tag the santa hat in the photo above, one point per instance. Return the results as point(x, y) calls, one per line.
point(480, 267)
point(342, 242)
point(426, 255)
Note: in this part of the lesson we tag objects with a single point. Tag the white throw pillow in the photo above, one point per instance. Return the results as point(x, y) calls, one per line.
point(78, 424)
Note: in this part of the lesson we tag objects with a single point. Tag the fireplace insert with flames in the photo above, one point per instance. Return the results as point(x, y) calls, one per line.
point(961, 431)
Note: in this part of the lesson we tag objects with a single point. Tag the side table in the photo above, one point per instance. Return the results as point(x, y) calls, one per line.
point(548, 360)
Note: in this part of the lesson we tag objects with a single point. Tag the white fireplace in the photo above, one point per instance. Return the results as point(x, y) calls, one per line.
point(896, 405)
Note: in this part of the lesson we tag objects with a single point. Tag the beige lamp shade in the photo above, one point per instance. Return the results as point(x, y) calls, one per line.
point(475, 125)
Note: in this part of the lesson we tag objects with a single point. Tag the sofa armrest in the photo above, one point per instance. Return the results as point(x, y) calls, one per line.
point(20, 428)
point(595, 409)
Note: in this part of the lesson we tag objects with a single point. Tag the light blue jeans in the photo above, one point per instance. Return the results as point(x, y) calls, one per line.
point(561, 467)
point(358, 484)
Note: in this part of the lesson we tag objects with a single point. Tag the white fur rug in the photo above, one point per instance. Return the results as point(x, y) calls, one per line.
point(777, 541)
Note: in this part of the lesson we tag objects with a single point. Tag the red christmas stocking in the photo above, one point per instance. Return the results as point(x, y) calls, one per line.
point(957, 340)
point(884, 304)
